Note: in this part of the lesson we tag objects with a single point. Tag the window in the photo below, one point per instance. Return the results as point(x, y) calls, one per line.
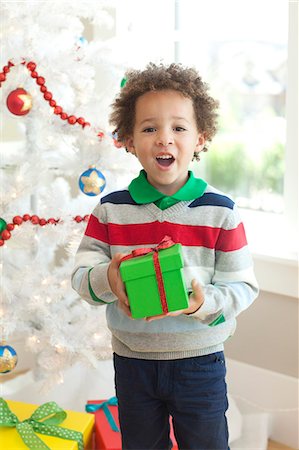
point(242, 52)
point(248, 53)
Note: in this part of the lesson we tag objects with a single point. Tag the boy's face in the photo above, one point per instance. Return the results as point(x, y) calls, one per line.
point(165, 137)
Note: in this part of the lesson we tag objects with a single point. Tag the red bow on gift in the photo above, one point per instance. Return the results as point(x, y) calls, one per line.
point(165, 243)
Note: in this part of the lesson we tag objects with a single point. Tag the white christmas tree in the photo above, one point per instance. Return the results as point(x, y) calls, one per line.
point(65, 130)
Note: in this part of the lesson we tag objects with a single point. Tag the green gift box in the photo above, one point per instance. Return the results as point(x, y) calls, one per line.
point(154, 280)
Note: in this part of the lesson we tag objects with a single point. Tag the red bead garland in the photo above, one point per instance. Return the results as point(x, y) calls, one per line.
point(5, 235)
point(40, 81)
point(72, 120)
point(31, 65)
point(5, 69)
point(48, 96)
point(57, 110)
point(35, 220)
point(10, 226)
point(17, 220)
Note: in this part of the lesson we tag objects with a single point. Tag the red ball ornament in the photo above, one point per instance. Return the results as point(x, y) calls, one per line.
point(42, 222)
point(43, 89)
point(51, 221)
point(52, 103)
point(34, 74)
point(10, 226)
point(63, 115)
point(2, 76)
point(19, 102)
point(5, 235)
point(1, 242)
point(26, 217)
point(81, 121)
point(78, 219)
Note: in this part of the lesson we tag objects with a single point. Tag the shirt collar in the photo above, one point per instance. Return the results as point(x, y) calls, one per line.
point(143, 192)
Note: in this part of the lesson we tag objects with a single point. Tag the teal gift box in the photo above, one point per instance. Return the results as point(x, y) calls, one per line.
point(154, 280)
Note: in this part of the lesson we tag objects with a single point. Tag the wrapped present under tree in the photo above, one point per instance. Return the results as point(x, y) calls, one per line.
point(107, 432)
point(46, 427)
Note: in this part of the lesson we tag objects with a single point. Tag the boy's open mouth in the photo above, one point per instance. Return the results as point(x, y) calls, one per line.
point(165, 160)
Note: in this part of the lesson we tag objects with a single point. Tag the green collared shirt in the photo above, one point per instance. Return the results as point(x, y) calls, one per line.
point(143, 192)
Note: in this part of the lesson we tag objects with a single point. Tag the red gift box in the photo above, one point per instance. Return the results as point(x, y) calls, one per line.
point(105, 437)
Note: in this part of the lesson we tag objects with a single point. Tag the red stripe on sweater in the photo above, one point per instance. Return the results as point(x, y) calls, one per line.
point(153, 233)
point(97, 230)
point(230, 240)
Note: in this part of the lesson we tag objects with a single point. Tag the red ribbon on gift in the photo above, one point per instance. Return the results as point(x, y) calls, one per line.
point(165, 243)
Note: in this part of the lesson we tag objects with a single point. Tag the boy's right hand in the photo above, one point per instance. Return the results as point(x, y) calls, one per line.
point(116, 284)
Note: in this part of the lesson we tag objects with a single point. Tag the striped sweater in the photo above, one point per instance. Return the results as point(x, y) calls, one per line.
point(215, 253)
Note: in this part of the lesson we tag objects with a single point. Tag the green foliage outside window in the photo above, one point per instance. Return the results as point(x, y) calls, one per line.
point(229, 168)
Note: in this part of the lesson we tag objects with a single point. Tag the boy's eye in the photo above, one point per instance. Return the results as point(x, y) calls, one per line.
point(149, 130)
point(179, 129)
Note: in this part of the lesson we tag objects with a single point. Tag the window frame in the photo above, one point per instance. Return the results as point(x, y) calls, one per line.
point(292, 116)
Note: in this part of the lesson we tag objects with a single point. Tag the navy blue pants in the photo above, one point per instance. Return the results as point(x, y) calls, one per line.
point(191, 390)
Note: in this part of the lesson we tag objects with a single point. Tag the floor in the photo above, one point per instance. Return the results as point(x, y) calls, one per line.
point(276, 446)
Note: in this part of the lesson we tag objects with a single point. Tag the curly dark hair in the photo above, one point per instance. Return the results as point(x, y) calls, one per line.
point(160, 77)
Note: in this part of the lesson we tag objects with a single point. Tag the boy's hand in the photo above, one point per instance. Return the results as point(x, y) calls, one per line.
point(116, 284)
point(196, 299)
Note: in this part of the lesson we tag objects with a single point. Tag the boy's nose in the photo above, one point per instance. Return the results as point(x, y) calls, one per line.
point(165, 139)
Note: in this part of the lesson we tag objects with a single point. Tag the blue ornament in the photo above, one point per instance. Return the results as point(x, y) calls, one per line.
point(8, 358)
point(92, 182)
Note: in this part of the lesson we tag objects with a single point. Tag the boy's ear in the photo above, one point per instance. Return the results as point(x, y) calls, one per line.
point(130, 145)
point(200, 142)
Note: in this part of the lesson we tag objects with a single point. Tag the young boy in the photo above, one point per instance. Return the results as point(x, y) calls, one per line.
point(172, 364)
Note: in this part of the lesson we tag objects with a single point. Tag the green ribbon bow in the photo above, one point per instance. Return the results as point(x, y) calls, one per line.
point(39, 422)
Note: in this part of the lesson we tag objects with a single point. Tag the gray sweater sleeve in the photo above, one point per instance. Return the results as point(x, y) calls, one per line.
point(89, 277)
point(233, 286)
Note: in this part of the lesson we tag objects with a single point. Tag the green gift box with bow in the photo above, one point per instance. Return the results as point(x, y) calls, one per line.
point(46, 427)
point(154, 279)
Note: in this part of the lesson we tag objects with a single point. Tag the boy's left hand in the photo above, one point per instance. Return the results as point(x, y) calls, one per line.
point(196, 299)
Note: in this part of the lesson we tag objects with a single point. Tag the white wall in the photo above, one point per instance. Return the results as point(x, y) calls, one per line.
point(267, 334)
